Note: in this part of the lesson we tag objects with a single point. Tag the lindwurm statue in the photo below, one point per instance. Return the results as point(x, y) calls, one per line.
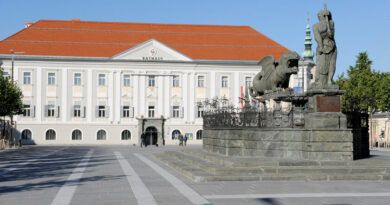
point(274, 74)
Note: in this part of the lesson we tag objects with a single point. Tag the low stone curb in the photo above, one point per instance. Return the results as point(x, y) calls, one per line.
point(202, 168)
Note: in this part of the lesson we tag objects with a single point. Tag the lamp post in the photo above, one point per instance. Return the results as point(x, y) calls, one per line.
point(12, 62)
point(13, 80)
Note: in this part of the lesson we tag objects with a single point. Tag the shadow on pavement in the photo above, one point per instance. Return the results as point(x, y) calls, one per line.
point(269, 201)
point(50, 171)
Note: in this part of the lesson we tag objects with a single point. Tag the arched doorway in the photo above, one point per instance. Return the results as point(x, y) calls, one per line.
point(150, 136)
point(175, 134)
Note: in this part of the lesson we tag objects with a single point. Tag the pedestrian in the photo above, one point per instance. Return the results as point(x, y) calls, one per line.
point(185, 140)
point(180, 140)
point(142, 139)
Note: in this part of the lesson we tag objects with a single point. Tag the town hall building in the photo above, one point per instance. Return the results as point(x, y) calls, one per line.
point(87, 82)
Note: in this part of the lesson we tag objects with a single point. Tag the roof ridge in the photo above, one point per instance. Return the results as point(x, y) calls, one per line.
point(140, 23)
point(149, 31)
point(132, 44)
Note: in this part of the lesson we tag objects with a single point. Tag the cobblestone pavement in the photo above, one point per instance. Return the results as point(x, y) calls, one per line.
point(131, 175)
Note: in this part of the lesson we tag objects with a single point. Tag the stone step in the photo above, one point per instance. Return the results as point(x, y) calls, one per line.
point(291, 177)
point(260, 162)
point(333, 170)
point(283, 167)
point(231, 161)
point(198, 169)
point(299, 170)
point(191, 172)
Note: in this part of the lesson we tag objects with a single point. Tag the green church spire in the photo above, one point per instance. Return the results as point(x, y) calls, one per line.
point(308, 53)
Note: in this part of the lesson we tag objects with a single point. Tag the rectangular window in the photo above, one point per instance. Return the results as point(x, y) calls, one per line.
point(248, 82)
point(77, 79)
point(51, 78)
point(102, 79)
point(77, 111)
point(151, 81)
point(151, 111)
point(26, 110)
point(200, 111)
point(101, 111)
point(175, 81)
point(224, 82)
point(51, 110)
point(201, 81)
point(26, 78)
point(175, 111)
point(126, 111)
point(126, 80)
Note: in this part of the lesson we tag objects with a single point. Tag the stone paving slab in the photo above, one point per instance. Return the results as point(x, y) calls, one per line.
point(104, 182)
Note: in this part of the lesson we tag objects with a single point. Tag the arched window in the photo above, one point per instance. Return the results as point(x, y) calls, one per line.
point(50, 135)
point(101, 135)
point(26, 135)
point(199, 134)
point(126, 135)
point(76, 135)
point(175, 134)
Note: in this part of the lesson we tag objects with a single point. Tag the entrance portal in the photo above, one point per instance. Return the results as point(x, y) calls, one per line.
point(151, 136)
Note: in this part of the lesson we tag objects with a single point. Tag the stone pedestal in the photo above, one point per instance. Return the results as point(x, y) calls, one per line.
point(319, 131)
point(286, 143)
point(321, 100)
point(325, 120)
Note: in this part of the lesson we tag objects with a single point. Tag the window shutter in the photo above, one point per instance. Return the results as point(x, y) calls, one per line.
point(122, 114)
point(196, 111)
point(96, 111)
point(171, 111)
point(107, 111)
point(131, 112)
point(33, 112)
point(46, 110)
point(182, 112)
point(84, 111)
point(58, 111)
point(72, 111)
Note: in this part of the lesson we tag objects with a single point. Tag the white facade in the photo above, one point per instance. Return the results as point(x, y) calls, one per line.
point(150, 81)
point(301, 81)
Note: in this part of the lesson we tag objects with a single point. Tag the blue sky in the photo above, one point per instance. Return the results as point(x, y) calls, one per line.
point(361, 25)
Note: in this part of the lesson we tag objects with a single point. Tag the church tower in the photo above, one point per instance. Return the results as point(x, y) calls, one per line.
point(308, 53)
point(302, 80)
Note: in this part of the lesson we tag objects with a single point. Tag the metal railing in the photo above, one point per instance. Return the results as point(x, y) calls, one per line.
point(253, 118)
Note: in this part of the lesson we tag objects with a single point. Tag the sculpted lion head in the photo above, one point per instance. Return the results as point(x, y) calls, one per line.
point(289, 61)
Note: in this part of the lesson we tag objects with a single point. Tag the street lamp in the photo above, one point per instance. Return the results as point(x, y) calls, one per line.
point(12, 62)
point(13, 80)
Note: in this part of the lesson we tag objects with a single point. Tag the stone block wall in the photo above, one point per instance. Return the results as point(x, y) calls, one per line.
point(291, 143)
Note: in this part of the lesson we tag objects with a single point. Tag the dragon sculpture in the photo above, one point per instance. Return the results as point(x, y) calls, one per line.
point(274, 74)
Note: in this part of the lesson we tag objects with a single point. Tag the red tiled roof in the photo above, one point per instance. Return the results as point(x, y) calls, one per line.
point(106, 39)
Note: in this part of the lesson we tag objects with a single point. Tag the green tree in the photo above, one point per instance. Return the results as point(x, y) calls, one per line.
point(358, 85)
point(10, 97)
point(382, 91)
point(365, 89)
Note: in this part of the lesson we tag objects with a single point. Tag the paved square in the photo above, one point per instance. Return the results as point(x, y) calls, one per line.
point(131, 175)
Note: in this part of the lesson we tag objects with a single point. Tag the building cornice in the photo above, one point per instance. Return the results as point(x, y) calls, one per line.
point(111, 60)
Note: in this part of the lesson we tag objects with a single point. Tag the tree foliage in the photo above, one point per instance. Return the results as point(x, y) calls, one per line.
point(365, 89)
point(10, 97)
